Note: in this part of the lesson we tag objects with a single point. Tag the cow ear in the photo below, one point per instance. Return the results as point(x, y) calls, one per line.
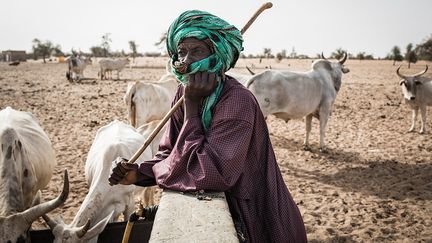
point(402, 82)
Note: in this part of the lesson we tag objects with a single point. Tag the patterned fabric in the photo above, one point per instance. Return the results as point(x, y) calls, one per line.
point(235, 156)
point(223, 38)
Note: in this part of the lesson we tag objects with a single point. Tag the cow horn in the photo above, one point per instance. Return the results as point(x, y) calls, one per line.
point(83, 229)
point(398, 74)
point(343, 58)
point(322, 56)
point(51, 223)
point(422, 72)
point(250, 71)
point(35, 212)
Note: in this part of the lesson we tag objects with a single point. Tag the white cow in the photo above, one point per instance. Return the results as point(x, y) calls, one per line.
point(149, 101)
point(76, 66)
point(103, 203)
point(109, 65)
point(242, 78)
point(417, 91)
point(294, 95)
point(26, 165)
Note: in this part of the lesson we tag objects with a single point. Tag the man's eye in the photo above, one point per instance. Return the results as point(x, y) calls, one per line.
point(182, 53)
point(198, 51)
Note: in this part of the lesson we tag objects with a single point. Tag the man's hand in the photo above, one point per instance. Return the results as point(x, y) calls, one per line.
point(200, 85)
point(123, 172)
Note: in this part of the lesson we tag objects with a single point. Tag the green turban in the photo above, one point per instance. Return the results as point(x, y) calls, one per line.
point(224, 39)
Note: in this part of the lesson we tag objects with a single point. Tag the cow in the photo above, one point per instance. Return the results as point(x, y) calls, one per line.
point(147, 101)
point(417, 91)
point(109, 65)
point(242, 78)
point(103, 203)
point(294, 95)
point(26, 166)
point(76, 66)
point(146, 129)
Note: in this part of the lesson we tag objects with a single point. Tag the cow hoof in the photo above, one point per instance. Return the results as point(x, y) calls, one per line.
point(307, 148)
point(422, 132)
point(323, 150)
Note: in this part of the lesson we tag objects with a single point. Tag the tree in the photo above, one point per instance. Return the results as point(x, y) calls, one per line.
point(424, 50)
point(106, 40)
point(45, 49)
point(361, 56)
point(162, 39)
point(395, 54)
point(161, 43)
point(410, 55)
point(57, 51)
point(267, 52)
point(133, 46)
point(369, 57)
point(338, 54)
point(281, 55)
point(97, 51)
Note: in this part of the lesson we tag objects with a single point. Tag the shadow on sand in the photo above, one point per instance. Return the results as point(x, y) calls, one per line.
point(386, 179)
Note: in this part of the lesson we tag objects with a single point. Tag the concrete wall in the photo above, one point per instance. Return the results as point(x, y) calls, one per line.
point(184, 218)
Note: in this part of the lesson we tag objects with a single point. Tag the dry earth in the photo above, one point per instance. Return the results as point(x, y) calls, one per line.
point(373, 185)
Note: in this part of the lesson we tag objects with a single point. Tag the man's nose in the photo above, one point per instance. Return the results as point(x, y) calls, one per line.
point(185, 58)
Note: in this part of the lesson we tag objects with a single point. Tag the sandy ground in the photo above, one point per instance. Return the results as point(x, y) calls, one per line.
point(373, 185)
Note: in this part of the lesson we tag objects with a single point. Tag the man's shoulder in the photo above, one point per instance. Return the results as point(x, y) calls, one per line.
point(238, 90)
point(238, 96)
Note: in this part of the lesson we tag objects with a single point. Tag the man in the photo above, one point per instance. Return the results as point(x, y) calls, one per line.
point(219, 139)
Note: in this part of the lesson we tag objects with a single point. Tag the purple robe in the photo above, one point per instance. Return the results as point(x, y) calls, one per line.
point(235, 156)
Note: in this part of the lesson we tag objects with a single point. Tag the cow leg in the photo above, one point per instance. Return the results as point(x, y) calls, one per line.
point(308, 121)
point(148, 196)
point(413, 119)
point(423, 119)
point(129, 209)
point(323, 118)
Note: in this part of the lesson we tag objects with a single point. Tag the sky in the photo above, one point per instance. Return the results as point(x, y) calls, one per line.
point(308, 26)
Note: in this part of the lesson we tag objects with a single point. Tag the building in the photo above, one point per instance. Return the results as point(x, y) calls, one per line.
point(13, 56)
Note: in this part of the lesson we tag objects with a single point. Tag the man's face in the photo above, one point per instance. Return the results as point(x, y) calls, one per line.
point(191, 50)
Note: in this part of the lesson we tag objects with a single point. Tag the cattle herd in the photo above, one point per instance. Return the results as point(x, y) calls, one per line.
point(77, 65)
point(25, 171)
